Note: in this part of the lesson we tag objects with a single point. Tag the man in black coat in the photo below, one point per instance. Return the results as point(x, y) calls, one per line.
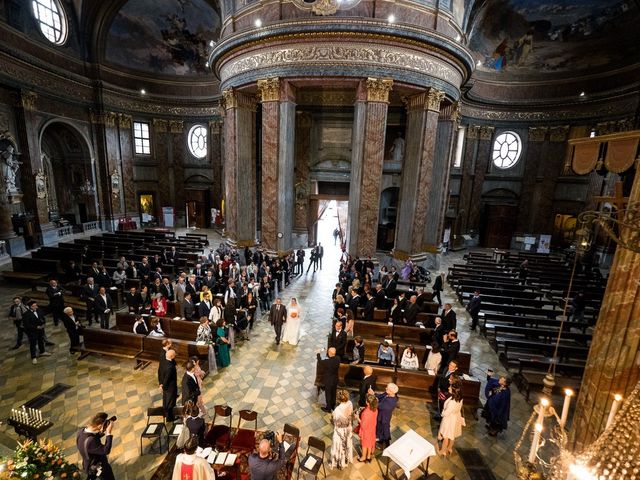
point(444, 380)
point(33, 323)
point(278, 316)
point(103, 305)
point(166, 289)
point(187, 308)
point(449, 320)
point(132, 299)
point(450, 348)
point(56, 300)
point(168, 377)
point(438, 286)
point(190, 389)
point(88, 294)
point(329, 368)
point(473, 307)
point(411, 311)
point(381, 298)
point(92, 451)
point(72, 325)
point(369, 307)
point(338, 340)
point(368, 382)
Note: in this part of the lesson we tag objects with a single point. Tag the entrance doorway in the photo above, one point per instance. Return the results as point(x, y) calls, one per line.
point(198, 208)
point(331, 228)
point(499, 226)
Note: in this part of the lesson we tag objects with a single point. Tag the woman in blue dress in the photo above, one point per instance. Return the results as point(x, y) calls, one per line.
point(496, 410)
point(387, 402)
point(224, 359)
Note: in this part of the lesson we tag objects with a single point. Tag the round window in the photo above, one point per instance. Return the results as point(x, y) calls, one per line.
point(198, 141)
point(507, 148)
point(52, 20)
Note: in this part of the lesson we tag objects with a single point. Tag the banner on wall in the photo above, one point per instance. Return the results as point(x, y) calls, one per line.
point(167, 215)
point(544, 244)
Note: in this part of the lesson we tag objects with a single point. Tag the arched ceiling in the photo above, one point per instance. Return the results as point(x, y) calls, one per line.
point(547, 39)
point(165, 37)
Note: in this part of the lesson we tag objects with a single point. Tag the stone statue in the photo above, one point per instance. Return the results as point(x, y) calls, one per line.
point(10, 168)
point(397, 149)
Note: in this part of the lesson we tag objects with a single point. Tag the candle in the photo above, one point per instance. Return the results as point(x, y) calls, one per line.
point(568, 393)
point(617, 399)
point(579, 472)
point(544, 403)
point(534, 445)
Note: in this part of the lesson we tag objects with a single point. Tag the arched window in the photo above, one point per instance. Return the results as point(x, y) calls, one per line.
point(197, 141)
point(52, 20)
point(507, 148)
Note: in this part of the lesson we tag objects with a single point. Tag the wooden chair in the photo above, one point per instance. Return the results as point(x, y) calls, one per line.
point(154, 429)
point(220, 435)
point(319, 446)
point(244, 439)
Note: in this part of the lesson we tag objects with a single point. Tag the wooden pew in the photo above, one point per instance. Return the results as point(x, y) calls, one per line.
point(184, 350)
point(111, 342)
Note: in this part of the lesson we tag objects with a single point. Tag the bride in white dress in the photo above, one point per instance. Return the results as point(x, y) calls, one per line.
point(292, 327)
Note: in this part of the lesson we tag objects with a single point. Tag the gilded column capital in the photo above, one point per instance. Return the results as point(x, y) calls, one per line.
point(269, 89)
point(558, 134)
point(110, 119)
point(235, 99)
point(124, 120)
point(160, 125)
point(229, 99)
point(28, 100)
point(473, 131)
point(176, 126)
point(485, 132)
point(538, 134)
point(455, 112)
point(434, 99)
point(378, 89)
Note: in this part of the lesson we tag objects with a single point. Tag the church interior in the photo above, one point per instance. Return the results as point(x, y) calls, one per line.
point(493, 141)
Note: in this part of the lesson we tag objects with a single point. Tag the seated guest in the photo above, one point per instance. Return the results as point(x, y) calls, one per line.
point(204, 331)
point(409, 359)
point(119, 277)
point(132, 299)
point(155, 327)
point(189, 465)
point(386, 355)
point(187, 308)
point(496, 410)
point(159, 305)
point(358, 351)
point(140, 327)
point(262, 464)
point(434, 359)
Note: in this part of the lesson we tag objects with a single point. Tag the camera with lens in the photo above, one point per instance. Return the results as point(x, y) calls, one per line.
point(108, 421)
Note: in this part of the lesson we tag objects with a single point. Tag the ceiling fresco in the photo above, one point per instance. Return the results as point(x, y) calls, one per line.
point(523, 38)
point(169, 37)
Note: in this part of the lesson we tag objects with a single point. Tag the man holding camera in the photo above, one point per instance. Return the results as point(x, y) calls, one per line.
point(263, 465)
point(94, 453)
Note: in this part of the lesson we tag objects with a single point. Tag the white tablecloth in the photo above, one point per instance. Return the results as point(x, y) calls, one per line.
point(409, 451)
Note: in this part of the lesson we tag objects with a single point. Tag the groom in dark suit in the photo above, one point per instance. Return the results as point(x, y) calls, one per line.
point(278, 316)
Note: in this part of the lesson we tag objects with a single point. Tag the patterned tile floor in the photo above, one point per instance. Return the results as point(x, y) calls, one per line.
point(276, 381)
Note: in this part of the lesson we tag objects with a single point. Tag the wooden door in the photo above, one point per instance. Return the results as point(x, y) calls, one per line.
point(500, 225)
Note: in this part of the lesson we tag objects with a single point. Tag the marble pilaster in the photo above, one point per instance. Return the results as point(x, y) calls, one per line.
point(370, 121)
point(483, 156)
point(613, 364)
point(127, 188)
point(286, 163)
point(302, 163)
point(215, 132)
point(416, 196)
point(469, 155)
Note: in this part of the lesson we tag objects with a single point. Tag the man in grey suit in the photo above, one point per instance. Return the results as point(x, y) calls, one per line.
point(278, 316)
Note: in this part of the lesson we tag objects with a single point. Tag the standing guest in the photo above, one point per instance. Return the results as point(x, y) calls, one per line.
point(386, 355)
point(16, 312)
point(132, 270)
point(155, 328)
point(88, 294)
point(473, 307)
point(313, 260)
point(329, 367)
point(409, 359)
point(194, 422)
point(145, 300)
point(438, 331)
point(578, 305)
point(168, 377)
point(278, 316)
point(438, 286)
point(262, 464)
point(434, 359)
point(159, 305)
point(291, 333)
point(496, 410)
point(338, 304)
point(349, 323)
point(450, 347)
point(444, 382)
point(320, 253)
point(264, 293)
point(204, 331)
point(200, 374)
point(190, 388)
point(187, 308)
point(103, 279)
point(369, 307)
point(224, 359)
point(72, 325)
point(204, 308)
point(166, 289)
point(249, 304)
point(368, 382)
point(140, 327)
point(395, 312)
point(452, 420)
point(103, 305)
point(132, 299)
point(411, 311)
point(380, 298)
point(367, 430)
point(358, 351)
point(93, 452)
point(55, 294)
point(189, 466)
point(387, 402)
point(119, 278)
point(72, 273)
point(524, 271)
point(448, 315)
point(339, 340)
point(33, 323)
point(216, 312)
point(342, 444)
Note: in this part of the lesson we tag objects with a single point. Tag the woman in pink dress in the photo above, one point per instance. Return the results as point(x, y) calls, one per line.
point(452, 421)
point(367, 432)
point(199, 373)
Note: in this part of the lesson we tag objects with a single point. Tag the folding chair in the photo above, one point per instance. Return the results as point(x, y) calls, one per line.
point(154, 429)
point(318, 445)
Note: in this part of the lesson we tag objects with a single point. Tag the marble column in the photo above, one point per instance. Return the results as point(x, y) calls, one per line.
point(613, 365)
point(302, 161)
point(417, 199)
point(367, 156)
point(535, 155)
point(176, 172)
point(240, 168)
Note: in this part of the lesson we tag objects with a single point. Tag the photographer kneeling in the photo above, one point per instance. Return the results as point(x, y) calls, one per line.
point(93, 452)
point(263, 465)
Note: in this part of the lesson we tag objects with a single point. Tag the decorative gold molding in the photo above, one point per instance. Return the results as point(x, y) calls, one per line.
point(269, 89)
point(160, 125)
point(326, 97)
point(434, 98)
point(28, 100)
point(124, 120)
point(473, 132)
point(538, 134)
point(110, 119)
point(235, 99)
point(455, 112)
point(558, 134)
point(486, 132)
point(176, 126)
point(324, 7)
point(378, 89)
